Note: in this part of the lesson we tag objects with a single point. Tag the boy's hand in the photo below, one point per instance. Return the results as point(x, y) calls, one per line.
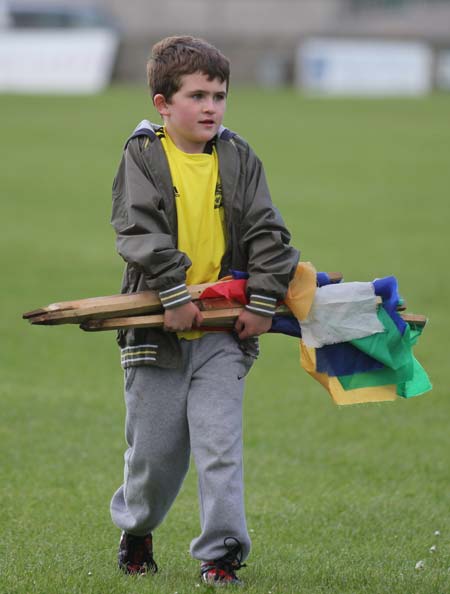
point(184, 317)
point(250, 324)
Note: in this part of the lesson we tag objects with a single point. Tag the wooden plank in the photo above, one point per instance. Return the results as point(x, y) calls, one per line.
point(417, 319)
point(81, 303)
point(74, 312)
point(211, 316)
point(131, 306)
point(218, 317)
point(221, 317)
point(111, 310)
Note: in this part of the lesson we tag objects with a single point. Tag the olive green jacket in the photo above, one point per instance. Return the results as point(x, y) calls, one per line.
point(144, 217)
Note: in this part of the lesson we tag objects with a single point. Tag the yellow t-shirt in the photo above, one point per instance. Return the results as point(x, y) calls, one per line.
point(200, 213)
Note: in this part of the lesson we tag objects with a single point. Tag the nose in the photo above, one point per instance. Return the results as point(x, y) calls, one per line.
point(209, 106)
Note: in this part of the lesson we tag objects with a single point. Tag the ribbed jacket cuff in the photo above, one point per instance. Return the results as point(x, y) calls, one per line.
point(262, 305)
point(175, 296)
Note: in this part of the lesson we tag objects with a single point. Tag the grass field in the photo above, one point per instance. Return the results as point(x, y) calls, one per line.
point(339, 500)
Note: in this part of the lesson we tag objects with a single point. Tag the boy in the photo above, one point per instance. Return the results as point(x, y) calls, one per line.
point(190, 202)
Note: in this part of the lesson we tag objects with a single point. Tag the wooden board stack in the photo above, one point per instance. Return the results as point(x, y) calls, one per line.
point(144, 310)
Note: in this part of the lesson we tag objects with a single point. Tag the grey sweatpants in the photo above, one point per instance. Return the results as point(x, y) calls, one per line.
point(170, 413)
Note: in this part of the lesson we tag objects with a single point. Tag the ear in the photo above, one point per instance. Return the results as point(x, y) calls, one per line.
point(159, 101)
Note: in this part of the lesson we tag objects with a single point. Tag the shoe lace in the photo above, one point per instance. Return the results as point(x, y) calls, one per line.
point(231, 561)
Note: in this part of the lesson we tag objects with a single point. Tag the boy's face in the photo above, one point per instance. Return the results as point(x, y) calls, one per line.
point(195, 112)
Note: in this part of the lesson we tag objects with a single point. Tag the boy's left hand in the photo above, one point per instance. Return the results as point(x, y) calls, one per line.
point(250, 324)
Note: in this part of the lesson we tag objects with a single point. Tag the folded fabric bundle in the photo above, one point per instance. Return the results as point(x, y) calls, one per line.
point(358, 350)
point(374, 368)
point(388, 368)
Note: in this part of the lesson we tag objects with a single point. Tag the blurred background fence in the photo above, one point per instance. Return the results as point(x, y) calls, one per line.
point(263, 38)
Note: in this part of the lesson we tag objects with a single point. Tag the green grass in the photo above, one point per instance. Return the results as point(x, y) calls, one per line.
point(339, 500)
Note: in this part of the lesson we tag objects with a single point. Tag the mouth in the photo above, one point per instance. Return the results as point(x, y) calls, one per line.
point(207, 122)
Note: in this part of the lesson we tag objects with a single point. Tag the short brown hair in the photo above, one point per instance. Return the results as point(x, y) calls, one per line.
point(173, 57)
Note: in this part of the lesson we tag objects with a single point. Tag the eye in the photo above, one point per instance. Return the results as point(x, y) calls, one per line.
point(197, 96)
point(220, 97)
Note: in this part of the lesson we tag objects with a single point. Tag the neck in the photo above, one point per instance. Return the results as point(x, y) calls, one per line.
point(185, 145)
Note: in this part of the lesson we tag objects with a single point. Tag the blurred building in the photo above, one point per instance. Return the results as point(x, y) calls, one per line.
point(55, 48)
point(261, 37)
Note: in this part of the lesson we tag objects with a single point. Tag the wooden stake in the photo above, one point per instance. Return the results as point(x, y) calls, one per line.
point(220, 317)
point(74, 312)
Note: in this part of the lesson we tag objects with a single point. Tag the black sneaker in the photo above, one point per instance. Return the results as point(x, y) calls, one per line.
point(222, 572)
point(136, 554)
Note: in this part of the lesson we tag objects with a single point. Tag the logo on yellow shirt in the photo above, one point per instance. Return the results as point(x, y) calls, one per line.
point(218, 195)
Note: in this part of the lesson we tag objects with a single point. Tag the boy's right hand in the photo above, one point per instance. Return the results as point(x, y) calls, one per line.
point(184, 317)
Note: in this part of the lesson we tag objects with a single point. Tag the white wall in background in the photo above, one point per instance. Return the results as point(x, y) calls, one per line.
point(364, 67)
point(61, 61)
